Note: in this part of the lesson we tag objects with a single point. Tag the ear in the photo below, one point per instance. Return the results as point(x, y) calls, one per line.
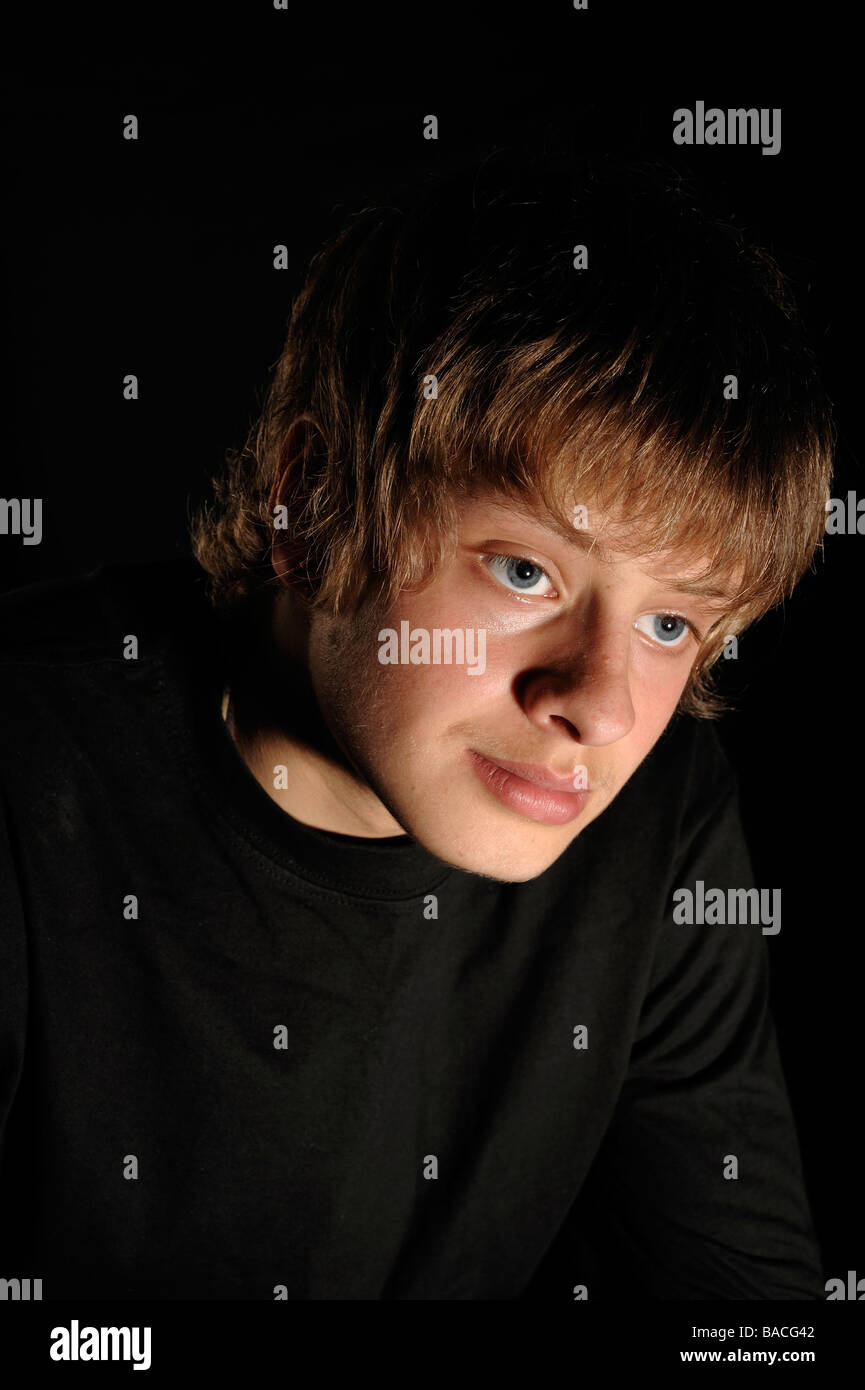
point(304, 439)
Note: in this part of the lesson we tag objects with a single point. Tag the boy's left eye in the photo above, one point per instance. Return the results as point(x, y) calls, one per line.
point(520, 575)
point(668, 629)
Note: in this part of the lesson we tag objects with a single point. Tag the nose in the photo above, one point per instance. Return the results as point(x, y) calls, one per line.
point(582, 685)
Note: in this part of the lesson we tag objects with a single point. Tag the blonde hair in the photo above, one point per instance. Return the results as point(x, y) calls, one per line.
point(552, 383)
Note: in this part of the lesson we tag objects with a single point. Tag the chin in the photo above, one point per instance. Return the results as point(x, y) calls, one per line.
point(498, 861)
point(509, 872)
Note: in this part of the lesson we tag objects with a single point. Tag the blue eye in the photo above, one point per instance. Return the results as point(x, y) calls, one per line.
point(668, 629)
point(520, 575)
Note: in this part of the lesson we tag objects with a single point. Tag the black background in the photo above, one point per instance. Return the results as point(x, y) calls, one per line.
point(154, 257)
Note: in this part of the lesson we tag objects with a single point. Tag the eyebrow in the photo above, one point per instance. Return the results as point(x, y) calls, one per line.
point(588, 542)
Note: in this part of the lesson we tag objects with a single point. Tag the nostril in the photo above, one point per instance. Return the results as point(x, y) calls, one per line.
point(571, 728)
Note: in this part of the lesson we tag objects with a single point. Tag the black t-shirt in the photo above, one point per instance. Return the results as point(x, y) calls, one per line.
point(241, 1058)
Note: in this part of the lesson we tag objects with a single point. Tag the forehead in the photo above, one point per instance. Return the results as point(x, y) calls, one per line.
point(594, 532)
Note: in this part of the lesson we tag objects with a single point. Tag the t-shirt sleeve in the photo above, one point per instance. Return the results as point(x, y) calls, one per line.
point(699, 1187)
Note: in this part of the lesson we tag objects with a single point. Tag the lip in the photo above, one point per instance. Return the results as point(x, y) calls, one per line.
point(531, 789)
point(538, 775)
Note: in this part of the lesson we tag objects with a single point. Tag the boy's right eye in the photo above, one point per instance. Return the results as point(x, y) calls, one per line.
point(519, 574)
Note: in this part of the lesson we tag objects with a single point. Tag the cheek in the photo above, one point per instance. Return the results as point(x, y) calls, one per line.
point(430, 695)
point(474, 662)
point(343, 667)
point(655, 699)
point(389, 706)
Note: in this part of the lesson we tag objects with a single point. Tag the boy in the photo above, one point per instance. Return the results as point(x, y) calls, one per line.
point(341, 961)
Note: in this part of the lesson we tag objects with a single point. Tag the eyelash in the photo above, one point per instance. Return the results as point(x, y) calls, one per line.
point(668, 613)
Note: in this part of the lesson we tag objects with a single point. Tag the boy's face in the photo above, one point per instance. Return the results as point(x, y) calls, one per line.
point(560, 660)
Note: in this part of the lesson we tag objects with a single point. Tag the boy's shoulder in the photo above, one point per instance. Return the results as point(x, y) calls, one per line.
point(696, 746)
point(78, 620)
point(685, 780)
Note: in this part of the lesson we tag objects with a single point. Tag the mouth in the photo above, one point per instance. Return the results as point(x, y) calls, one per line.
point(530, 789)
